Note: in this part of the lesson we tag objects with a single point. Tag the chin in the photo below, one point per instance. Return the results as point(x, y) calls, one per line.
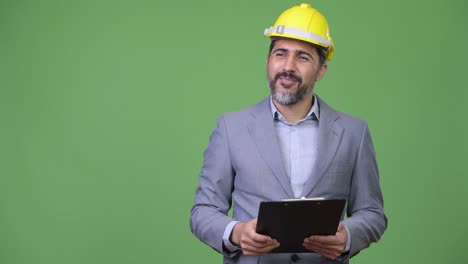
point(284, 98)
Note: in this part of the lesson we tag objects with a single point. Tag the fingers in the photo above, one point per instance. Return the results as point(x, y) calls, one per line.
point(328, 246)
point(341, 227)
point(323, 240)
point(331, 253)
point(258, 240)
point(258, 249)
point(253, 243)
point(339, 238)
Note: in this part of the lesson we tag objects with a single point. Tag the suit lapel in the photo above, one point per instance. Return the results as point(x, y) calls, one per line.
point(262, 130)
point(330, 134)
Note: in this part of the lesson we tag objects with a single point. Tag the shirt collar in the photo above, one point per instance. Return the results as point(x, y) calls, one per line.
point(314, 112)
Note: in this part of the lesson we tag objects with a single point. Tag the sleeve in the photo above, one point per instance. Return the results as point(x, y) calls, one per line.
point(366, 220)
point(229, 247)
point(209, 218)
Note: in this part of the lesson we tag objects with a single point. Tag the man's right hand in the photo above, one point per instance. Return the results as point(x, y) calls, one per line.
point(252, 243)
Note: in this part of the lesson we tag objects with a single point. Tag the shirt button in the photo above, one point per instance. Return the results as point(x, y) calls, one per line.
point(294, 258)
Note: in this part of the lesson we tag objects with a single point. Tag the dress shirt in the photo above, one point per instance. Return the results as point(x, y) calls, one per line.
point(298, 144)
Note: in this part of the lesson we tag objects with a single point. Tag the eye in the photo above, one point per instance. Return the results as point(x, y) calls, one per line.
point(280, 54)
point(304, 58)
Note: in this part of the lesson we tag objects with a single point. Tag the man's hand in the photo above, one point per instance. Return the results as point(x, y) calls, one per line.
point(328, 246)
point(252, 243)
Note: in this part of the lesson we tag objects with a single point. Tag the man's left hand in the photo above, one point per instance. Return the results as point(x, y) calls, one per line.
point(328, 246)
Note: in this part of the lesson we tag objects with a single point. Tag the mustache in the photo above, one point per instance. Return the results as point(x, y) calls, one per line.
point(289, 75)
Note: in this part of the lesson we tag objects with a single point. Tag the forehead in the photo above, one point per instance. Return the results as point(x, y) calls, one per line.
point(294, 45)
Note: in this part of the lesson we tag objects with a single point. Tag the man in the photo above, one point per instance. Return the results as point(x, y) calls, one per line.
point(292, 144)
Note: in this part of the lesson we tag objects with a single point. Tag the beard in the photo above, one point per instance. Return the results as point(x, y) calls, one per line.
point(288, 98)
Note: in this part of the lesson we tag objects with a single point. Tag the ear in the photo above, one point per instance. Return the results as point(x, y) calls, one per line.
point(322, 71)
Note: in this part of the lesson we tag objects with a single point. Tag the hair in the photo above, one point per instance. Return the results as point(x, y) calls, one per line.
point(321, 51)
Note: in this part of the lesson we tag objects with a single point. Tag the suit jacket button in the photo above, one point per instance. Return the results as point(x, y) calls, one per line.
point(294, 257)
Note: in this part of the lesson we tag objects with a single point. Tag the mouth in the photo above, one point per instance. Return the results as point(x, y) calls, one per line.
point(287, 82)
point(287, 79)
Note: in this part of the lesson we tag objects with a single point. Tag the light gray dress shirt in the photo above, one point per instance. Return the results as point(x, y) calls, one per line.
point(298, 144)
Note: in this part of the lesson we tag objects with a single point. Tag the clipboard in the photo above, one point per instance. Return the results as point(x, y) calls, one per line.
point(290, 221)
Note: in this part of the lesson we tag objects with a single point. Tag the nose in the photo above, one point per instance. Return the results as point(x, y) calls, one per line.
point(289, 64)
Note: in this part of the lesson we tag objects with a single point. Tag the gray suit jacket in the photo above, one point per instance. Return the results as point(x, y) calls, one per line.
point(243, 166)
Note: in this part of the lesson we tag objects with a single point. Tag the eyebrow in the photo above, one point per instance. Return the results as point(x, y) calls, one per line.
point(298, 52)
point(280, 49)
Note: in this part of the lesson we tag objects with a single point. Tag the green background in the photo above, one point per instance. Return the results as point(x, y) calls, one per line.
point(106, 108)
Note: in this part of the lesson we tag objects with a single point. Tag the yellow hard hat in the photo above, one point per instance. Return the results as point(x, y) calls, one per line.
point(303, 22)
